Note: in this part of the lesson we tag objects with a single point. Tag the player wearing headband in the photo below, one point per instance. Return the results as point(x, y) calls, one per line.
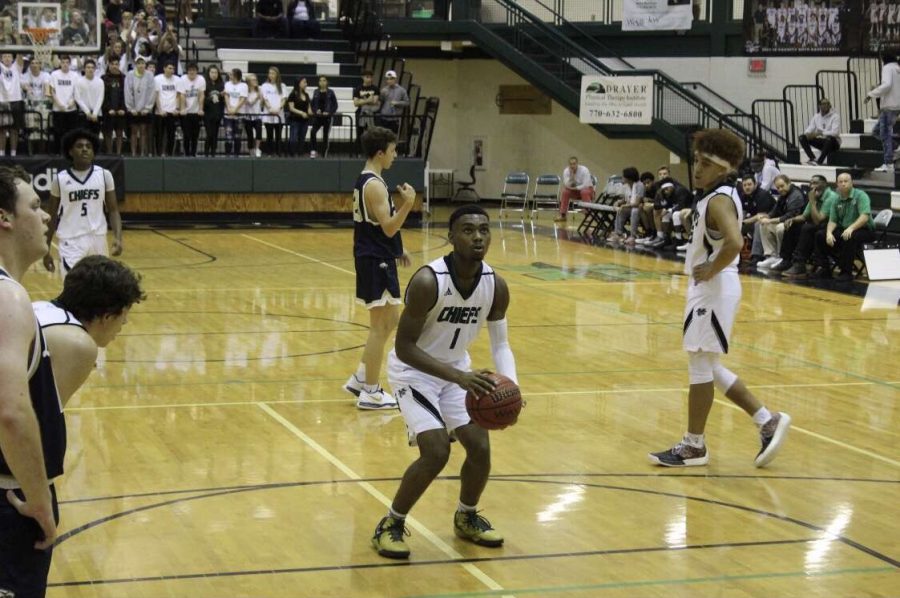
point(713, 296)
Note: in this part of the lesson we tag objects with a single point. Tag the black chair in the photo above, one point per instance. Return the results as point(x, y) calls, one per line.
point(467, 186)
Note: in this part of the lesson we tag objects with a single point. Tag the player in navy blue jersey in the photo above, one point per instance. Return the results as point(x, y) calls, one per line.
point(32, 428)
point(377, 247)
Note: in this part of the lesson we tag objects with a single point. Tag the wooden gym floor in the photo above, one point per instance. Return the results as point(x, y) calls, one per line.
point(213, 452)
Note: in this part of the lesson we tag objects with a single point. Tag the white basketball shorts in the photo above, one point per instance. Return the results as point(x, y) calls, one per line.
point(710, 313)
point(72, 250)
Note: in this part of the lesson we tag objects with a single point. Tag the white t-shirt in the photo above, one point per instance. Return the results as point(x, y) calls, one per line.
point(272, 102)
point(233, 94)
point(253, 106)
point(63, 87)
point(35, 85)
point(10, 83)
point(167, 90)
point(191, 91)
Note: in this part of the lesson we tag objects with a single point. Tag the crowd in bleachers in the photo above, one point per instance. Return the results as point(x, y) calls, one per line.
point(147, 102)
point(789, 230)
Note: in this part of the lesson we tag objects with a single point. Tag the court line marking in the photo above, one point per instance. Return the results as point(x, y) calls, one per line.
point(618, 585)
point(529, 395)
point(369, 488)
point(306, 257)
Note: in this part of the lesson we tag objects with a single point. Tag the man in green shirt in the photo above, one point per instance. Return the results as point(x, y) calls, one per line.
point(800, 231)
point(849, 226)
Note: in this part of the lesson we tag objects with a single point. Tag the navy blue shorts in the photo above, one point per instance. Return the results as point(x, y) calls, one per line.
point(23, 569)
point(377, 283)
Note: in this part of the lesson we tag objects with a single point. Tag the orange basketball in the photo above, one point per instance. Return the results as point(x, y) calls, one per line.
point(497, 409)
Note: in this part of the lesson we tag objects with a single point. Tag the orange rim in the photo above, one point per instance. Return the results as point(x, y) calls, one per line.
point(40, 35)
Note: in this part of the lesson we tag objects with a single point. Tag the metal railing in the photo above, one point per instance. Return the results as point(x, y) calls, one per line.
point(778, 123)
point(842, 88)
point(868, 74)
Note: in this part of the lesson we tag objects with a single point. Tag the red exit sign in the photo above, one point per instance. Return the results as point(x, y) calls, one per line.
point(757, 65)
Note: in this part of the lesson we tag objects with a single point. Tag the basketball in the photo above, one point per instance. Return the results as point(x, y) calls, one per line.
point(498, 409)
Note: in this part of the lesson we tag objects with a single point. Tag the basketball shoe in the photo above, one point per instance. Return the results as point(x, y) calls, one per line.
point(681, 455)
point(388, 538)
point(354, 385)
point(471, 526)
point(772, 435)
point(378, 399)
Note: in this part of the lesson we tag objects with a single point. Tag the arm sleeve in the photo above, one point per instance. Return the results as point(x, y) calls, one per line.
point(811, 127)
point(504, 360)
point(835, 129)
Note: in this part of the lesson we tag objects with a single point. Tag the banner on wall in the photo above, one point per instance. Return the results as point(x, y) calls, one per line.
point(616, 100)
point(43, 168)
point(881, 26)
point(802, 27)
point(655, 15)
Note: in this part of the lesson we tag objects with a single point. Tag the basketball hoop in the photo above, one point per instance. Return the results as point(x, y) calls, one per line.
point(40, 38)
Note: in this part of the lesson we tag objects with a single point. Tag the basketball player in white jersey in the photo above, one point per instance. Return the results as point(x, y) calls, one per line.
point(713, 296)
point(30, 416)
point(97, 295)
point(78, 196)
point(377, 248)
point(447, 303)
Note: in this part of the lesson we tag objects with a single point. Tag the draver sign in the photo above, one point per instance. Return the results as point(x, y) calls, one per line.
point(655, 15)
point(616, 100)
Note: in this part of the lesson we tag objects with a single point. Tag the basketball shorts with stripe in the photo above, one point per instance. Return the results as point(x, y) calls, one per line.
point(426, 402)
point(708, 321)
point(72, 250)
point(377, 282)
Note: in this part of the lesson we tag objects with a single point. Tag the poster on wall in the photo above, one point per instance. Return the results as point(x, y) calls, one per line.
point(656, 15)
point(881, 26)
point(794, 27)
point(616, 100)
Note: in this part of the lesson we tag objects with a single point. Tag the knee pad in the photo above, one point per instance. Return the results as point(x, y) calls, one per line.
point(723, 377)
point(701, 366)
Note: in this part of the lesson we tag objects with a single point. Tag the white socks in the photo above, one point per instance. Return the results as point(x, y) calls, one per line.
point(361, 372)
point(465, 508)
point(761, 417)
point(694, 440)
point(395, 515)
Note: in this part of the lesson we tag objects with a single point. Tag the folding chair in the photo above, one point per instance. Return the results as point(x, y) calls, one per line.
point(545, 195)
point(882, 223)
point(467, 187)
point(515, 189)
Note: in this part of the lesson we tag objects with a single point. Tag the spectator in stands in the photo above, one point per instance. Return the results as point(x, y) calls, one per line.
point(789, 204)
point(11, 102)
point(113, 11)
point(62, 90)
point(299, 109)
point(823, 133)
point(76, 32)
point(766, 170)
point(115, 52)
point(113, 107)
point(193, 90)
point(36, 83)
point(89, 91)
point(273, 98)
point(126, 29)
point(302, 19)
point(213, 109)
point(167, 49)
point(849, 226)
point(630, 206)
point(155, 11)
point(800, 234)
point(756, 204)
point(670, 197)
point(394, 100)
point(889, 94)
point(235, 98)
point(252, 112)
point(577, 184)
point(269, 21)
point(168, 106)
point(187, 12)
point(366, 98)
point(324, 107)
point(140, 94)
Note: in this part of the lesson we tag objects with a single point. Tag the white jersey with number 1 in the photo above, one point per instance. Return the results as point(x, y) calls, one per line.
point(81, 201)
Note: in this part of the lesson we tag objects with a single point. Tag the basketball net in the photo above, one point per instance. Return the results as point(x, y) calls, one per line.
point(40, 41)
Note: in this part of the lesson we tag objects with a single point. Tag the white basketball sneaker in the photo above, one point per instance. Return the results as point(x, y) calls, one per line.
point(354, 385)
point(373, 401)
